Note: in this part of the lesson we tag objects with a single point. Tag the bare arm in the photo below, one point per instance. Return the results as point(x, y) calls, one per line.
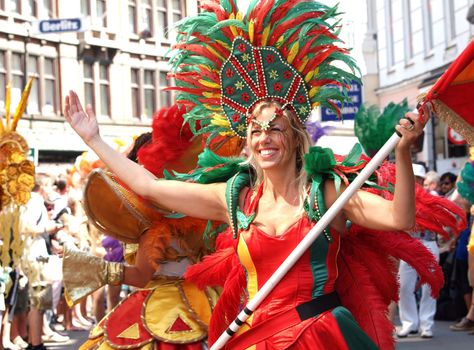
point(374, 212)
point(201, 201)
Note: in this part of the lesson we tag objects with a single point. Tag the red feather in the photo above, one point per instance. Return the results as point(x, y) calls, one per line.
point(259, 13)
point(283, 27)
point(213, 270)
point(170, 140)
point(221, 15)
point(438, 214)
point(198, 50)
point(358, 294)
point(227, 307)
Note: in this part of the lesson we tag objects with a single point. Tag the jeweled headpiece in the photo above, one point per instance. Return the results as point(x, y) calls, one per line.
point(226, 62)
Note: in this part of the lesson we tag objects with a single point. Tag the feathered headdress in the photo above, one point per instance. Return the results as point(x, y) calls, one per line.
point(17, 178)
point(226, 61)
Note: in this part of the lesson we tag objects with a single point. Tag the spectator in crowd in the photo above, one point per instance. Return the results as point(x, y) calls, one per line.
point(37, 228)
point(447, 184)
point(412, 319)
point(431, 182)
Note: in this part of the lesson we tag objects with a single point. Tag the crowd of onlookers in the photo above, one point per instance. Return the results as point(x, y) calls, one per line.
point(417, 309)
point(35, 309)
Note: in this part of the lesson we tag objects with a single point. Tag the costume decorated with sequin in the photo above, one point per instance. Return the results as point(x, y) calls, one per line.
point(312, 276)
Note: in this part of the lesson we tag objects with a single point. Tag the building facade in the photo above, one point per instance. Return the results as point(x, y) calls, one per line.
point(411, 43)
point(118, 64)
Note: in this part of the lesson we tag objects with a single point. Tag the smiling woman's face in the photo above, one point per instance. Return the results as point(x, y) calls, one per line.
point(274, 146)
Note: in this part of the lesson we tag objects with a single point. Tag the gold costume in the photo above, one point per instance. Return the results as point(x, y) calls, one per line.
point(169, 309)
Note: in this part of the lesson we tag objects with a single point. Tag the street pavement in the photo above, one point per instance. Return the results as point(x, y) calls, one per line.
point(443, 339)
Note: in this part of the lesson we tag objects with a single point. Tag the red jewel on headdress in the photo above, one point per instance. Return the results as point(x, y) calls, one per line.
point(270, 58)
point(245, 97)
point(229, 73)
point(287, 74)
point(277, 86)
point(249, 67)
point(236, 118)
point(242, 47)
point(229, 90)
point(278, 112)
point(301, 99)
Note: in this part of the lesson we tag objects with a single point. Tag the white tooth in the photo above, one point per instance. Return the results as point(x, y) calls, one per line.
point(267, 152)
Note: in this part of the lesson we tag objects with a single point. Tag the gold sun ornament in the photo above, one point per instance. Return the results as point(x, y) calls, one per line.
point(17, 177)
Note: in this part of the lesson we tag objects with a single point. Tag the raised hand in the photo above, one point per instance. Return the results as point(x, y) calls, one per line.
point(84, 123)
point(411, 126)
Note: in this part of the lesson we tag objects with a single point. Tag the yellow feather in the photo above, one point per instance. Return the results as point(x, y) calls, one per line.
point(7, 105)
point(211, 94)
point(212, 107)
point(232, 28)
point(280, 41)
point(251, 30)
point(209, 84)
point(309, 76)
point(314, 90)
point(223, 44)
point(22, 105)
point(303, 64)
point(265, 34)
point(293, 52)
point(239, 16)
point(220, 120)
point(214, 52)
point(315, 104)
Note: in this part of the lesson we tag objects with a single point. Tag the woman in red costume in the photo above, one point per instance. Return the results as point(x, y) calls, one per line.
point(258, 76)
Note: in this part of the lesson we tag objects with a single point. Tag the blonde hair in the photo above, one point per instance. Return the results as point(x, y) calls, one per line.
point(300, 138)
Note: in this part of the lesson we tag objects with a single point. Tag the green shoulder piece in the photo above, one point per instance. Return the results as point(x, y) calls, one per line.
point(211, 169)
point(234, 185)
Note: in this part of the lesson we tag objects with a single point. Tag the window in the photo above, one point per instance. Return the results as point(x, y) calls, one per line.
point(43, 93)
point(16, 77)
point(427, 27)
point(31, 8)
point(3, 79)
point(149, 93)
point(135, 86)
point(15, 6)
point(34, 99)
point(450, 26)
point(132, 17)
point(389, 34)
point(145, 95)
point(97, 85)
point(101, 13)
point(165, 96)
point(162, 19)
point(46, 9)
point(89, 94)
point(168, 13)
point(49, 85)
point(147, 16)
point(407, 31)
point(104, 87)
point(85, 8)
point(176, 11)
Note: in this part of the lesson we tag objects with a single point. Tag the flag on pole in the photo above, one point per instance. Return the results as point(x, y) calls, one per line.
point(452, 95)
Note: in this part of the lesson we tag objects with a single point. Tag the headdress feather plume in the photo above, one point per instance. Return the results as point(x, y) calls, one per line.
point(305, 35)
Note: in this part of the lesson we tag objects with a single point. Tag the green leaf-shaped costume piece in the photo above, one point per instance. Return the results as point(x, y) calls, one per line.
point(373, 128)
